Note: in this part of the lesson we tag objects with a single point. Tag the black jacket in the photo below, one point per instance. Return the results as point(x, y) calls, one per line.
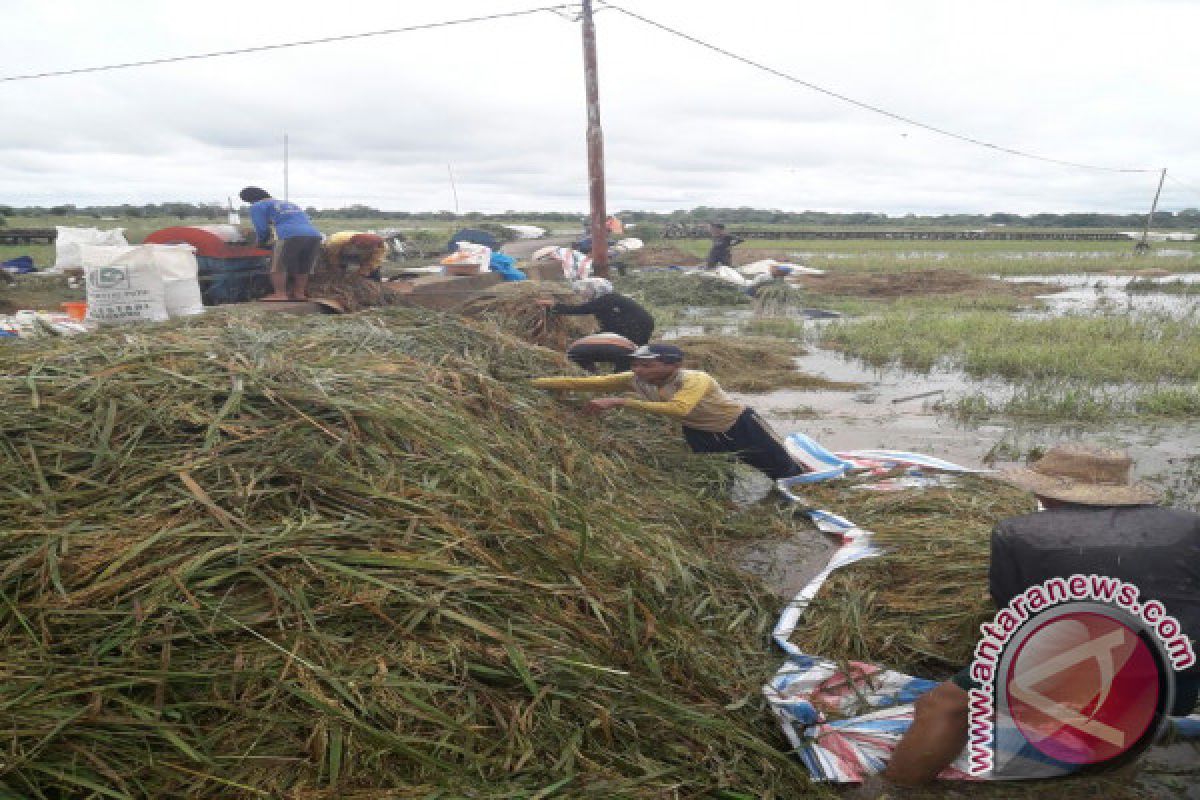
point(615, 313)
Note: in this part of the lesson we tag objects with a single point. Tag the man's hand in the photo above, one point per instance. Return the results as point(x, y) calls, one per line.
point(599, 405)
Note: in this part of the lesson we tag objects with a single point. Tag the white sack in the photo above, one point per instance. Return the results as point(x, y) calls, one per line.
point(67, 244)
point(123, 284)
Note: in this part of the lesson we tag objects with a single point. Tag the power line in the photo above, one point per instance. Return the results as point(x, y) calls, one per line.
point(859, 103)
point(280, 46)
point(1187, 186)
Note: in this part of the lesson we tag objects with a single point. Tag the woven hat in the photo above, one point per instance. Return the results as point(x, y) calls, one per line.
point(1082, 473)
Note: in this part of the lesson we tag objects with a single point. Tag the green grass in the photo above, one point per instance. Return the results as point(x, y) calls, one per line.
point(1049, 401)
point(1146, 285)
point(985, 257)
point(1107, 349)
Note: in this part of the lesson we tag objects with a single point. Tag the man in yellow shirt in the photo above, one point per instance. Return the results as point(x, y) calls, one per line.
point(712, 421)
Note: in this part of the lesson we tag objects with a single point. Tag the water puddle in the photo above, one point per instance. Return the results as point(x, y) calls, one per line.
point(1107, 294)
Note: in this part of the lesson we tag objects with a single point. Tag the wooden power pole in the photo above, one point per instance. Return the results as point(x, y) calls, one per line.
point(595, 145)
point(1143, 246)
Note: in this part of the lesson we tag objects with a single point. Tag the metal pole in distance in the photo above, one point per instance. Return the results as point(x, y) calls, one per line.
point(1144, 245)
point(453, 188)
point(285, 167)
point(595, 143)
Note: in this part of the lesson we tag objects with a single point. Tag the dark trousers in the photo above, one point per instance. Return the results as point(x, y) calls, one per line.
point(752, 439)
point(588, 355)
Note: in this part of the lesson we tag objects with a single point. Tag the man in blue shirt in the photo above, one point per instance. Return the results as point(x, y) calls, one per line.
point(297, 242)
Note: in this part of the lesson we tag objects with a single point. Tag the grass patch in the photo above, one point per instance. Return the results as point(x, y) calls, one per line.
point(979, 257)
point(1146, 285)
point(1107, 349)
point(40, 292)
point(665, 288)
point(752, 364)
point(777, 327)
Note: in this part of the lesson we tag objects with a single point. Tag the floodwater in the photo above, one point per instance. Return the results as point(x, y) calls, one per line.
point(896, 409)
point(1106, 294)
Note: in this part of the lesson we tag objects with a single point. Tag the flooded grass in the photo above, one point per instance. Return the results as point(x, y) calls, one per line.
point(753, 364)
point(1090, 349)
point(778, 327)
point(1079, 402)
point(1149, 285)
point(980, 257)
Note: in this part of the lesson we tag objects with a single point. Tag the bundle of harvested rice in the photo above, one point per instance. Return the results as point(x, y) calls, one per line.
point(513, 308)
point(671, 288)
point(352, 291)
point(326, 557)
point(777, 298)
point(918, 608)
point(752, 363)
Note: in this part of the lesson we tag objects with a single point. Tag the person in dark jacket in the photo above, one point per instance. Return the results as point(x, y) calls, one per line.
point(1097, 521)
point(721, 252)
point(614, 313)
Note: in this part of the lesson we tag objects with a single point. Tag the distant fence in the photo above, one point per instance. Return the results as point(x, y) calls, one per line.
point(693, 232)
point(27, 235)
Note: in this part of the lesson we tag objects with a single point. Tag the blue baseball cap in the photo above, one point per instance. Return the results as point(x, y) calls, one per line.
point(666, 353)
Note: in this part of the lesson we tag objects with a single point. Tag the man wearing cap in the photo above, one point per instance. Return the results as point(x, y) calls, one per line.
point(1097, 521)
point(614, 313)
point(712, 422)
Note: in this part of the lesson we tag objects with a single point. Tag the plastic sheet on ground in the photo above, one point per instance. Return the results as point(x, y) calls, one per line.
point(844, 721)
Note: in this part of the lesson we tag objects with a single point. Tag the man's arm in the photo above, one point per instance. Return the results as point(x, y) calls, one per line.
point(695, 386)
point(594, 383)
point(937, 735)
point(260, 218)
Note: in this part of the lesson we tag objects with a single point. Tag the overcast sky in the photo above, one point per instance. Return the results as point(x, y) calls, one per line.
point(382, 121)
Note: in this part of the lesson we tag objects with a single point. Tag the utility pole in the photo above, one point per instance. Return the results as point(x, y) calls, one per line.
point(285, 168)
point(453, 188)
point(595, 144)
point(1143, 247)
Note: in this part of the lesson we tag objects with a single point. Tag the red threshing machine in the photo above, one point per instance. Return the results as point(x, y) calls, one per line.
point(230, 271)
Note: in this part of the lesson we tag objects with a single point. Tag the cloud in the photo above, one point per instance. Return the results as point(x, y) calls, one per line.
point(378, 120)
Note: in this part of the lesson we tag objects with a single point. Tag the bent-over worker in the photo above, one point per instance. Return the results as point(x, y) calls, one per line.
point(363, 253)
point(614, 313)
point(712, 421)
point(1097, 522)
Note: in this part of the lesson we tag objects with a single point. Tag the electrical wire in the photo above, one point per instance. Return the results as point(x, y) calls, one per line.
point(282, 45)
point(1187, 186)
point(866, 106)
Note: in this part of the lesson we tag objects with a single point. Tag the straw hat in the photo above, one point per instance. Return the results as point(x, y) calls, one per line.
point(1082, 473)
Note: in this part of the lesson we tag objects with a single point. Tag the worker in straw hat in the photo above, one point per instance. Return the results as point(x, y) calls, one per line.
point(712, 421)
point(1097, 521)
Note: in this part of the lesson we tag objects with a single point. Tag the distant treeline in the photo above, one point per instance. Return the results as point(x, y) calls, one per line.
point(1187, 218)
